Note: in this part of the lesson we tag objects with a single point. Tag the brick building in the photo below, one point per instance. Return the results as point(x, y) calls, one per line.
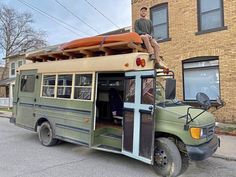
point(198, 41)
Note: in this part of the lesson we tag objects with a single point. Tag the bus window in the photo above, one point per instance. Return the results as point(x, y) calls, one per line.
point(83, 86)
point(64, 86)
point(27, 83)
point(48, 87)
point(130, 90)
point(147, 91)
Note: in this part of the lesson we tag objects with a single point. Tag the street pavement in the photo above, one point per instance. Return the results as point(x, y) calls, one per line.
point(21, 155)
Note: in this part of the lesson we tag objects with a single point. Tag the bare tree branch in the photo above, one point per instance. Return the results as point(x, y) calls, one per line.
point(16, 32)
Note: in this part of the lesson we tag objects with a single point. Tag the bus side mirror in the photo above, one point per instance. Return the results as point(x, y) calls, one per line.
point(170, 92)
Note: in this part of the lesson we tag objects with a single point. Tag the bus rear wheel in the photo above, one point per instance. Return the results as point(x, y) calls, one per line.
point(167, 158)
point(46, 134)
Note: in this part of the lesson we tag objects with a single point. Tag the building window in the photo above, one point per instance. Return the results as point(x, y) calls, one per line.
point(20, 63)
point(83, 86)
point(64, 86)
point(201, 75)
point(210, 14)
point(48, 87)
point(13, 69)
point(27, 83)
point(159, 16)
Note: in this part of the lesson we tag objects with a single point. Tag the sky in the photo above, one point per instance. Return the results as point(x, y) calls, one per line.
point(118, 11)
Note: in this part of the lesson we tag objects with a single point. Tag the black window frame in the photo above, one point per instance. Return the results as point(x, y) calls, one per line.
point(222, 27)
point(158, 7)
point(196, 60)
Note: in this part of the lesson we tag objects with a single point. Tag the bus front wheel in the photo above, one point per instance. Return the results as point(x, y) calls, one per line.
point(167, 158)
point(46, 134)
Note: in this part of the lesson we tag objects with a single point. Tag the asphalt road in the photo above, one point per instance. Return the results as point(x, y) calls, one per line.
point(21, 155)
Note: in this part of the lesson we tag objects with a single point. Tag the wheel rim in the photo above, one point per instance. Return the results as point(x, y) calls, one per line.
point(160, 158)
point(45, 134)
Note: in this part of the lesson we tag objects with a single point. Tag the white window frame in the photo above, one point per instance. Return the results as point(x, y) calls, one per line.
point(64, 86)
point(10, 73)
point(42, 85)
point(18, 63)
point(72, 87)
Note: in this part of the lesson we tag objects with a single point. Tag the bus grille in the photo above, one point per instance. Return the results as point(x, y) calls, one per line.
point(210, 131)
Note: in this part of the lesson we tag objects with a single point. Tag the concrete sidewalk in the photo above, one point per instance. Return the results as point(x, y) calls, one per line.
point(227, 149)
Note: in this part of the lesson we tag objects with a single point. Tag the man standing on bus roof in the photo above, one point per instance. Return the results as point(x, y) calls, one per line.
point(144, 28)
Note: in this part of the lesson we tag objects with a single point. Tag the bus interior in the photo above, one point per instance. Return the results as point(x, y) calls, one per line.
point(109, 111)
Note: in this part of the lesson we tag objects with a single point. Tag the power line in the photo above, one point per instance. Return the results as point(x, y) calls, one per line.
point(101, 13)
point(55, 19)
point(72, 13)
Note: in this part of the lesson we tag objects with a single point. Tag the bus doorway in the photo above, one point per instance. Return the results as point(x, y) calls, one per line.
point(109, 111)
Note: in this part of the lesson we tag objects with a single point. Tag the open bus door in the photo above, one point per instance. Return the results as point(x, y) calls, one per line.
point(138, 122)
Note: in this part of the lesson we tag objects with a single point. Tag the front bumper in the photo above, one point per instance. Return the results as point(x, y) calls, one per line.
point(203, 151)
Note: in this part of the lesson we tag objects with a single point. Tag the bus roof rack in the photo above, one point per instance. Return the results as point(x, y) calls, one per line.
point(115, 48)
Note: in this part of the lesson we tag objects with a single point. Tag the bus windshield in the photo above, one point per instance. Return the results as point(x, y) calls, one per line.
point(160, 94)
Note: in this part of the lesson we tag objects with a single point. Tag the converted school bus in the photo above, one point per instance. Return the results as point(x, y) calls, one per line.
point(111, 98)
point(197, 40)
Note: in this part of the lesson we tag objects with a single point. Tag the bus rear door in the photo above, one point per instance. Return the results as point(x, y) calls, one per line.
point(26, 99)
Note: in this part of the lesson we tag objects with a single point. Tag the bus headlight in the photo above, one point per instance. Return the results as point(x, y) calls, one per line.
point(197, 133)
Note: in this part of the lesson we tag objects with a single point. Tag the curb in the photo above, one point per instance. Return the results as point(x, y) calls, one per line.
point(224, 157)
point(7, 117)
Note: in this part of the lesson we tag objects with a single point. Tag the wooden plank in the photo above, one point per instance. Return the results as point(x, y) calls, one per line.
point(87, 53)
point(107, 51)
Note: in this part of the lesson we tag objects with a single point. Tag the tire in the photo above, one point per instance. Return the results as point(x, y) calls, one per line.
point(46, 134)
point(167, 158)
point(185, 163)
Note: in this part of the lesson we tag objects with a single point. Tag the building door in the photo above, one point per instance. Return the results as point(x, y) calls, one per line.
point(138, 121)
point(26, 98)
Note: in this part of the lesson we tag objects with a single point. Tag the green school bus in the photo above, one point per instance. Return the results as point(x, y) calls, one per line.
point(115, 103)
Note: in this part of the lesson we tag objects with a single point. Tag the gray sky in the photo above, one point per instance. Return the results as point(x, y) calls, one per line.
point(119, 11)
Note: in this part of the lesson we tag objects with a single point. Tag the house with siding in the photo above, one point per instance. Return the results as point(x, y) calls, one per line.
point(8, 80)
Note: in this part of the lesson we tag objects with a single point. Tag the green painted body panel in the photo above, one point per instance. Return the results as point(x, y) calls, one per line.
point(25, 103)
point(70, 119)
point(167, 121)
point(74, 120)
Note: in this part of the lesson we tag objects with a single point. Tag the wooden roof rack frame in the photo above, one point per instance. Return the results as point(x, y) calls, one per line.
point(85, 52)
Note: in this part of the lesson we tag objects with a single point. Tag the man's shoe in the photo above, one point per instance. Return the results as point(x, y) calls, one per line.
point(152, 57)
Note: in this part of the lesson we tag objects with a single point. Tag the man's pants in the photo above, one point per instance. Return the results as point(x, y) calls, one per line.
point(151, 45)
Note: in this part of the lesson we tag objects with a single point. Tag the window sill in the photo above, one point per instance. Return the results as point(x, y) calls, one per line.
point(195, 103)
point(211, 30)
point(164, 40)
